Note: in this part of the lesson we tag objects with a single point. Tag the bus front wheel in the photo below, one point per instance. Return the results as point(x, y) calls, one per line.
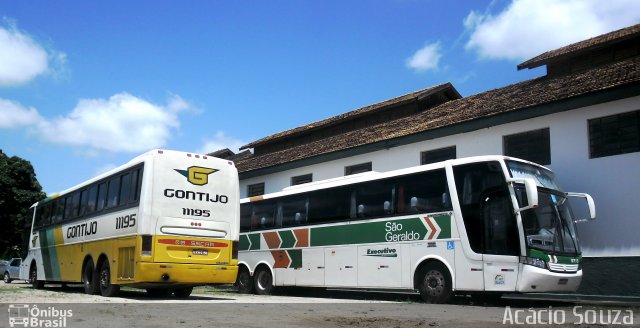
point(263, 281)
point(435, 284)
point(107, 289)
point(244, 282)
point(89, 279)
point(33, 278)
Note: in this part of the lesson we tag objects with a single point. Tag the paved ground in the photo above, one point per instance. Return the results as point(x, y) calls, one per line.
point(223, 307)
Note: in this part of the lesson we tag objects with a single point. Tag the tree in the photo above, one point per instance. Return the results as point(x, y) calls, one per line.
point(19, 189)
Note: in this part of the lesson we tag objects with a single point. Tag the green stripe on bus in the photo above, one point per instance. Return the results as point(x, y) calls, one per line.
point(53, 256)
point(375, 232)
point(444, 221)
point(288, 240)
point(254, 239)
point(244, 243)
point(296, 258)
point(44, 251)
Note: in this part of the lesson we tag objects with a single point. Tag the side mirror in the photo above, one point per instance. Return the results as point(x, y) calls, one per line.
point(590, 203)
point(531, 190)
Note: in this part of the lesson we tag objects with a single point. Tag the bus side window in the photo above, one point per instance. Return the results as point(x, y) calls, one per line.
point(425, 192)
point(44, 218)
point(374, 199)
point(91, 199)
point(113, 191)
point(263, 216)
point(68, 207)
point(75, 204)
point(245, 217)
point(135, 184)
point(329, 206)
point(83, 202)
point(58, 211)
point(294, 211)
point(102, 196)
point(125, 188)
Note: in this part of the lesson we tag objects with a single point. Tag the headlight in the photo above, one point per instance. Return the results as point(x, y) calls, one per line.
point(534, 262)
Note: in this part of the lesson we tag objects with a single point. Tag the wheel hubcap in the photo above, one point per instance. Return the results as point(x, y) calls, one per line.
point(434, 282)
point(104, 278)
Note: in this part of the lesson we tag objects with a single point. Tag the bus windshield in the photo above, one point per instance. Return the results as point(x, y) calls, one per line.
point(550, 227)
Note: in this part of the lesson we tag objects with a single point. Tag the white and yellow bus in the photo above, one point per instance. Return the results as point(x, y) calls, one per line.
point(166, 221)
point(489, 224)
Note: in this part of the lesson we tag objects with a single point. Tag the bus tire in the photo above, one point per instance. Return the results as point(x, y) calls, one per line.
point(107, 289)
point(182, 292)
point(263, 281)
point(244, 282)
point(90, 279)
point(435, 283)
point(7, 278)
point(33, 278)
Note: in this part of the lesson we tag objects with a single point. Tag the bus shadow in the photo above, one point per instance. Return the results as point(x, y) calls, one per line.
point(378, 296)
point(136, 294)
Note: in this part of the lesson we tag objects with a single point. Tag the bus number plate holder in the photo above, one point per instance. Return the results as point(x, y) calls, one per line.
point(200, 252)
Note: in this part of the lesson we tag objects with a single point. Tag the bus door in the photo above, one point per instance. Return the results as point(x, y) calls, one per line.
point(501, 241)
point(490, 222)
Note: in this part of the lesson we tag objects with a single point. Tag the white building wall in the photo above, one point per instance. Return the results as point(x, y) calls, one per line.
point(612, 181)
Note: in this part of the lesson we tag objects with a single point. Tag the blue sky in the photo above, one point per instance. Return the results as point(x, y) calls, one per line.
point(85, 86)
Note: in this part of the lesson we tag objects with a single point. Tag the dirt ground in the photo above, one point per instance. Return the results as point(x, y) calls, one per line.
point(223, 307)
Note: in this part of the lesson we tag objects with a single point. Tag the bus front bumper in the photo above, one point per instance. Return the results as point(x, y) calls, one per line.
point(178, 273)
point(533, 279)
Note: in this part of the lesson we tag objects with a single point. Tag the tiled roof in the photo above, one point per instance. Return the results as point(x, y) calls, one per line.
point(579, 47)
point(446, 87)
point(539, 91)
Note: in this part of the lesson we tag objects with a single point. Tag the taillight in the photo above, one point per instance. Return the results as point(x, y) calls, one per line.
point(147, 242)
point(234, 250)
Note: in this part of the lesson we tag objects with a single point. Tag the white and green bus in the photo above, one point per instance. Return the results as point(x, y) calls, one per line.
point(489, 224)
point(165, 221)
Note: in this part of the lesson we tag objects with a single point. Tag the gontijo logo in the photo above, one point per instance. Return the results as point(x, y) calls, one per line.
point(197, 175)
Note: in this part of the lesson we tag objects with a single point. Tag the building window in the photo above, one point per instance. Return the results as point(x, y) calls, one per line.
point(614, 135)
point(358, 168)
point(306, 178)
point(437, 155)
point(255, 189)
point(532, 146)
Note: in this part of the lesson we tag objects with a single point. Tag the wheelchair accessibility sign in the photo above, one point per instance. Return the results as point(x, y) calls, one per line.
point(451, 245)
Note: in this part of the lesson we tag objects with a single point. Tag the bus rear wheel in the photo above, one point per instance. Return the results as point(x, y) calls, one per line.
point(33, 278)
point(89, 279)
point(435, 284)
point(107, 289)
point(244, 282)
point(263, 281)
point(183, 292)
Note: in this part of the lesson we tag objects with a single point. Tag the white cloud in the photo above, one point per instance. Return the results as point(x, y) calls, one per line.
point(22, 59)
point(527, 28)
point(13, 114)
point(122, 123)
point(426, 58)
point(221, 141)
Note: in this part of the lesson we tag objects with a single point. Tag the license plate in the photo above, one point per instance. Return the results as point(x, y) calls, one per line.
point(200, 252)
